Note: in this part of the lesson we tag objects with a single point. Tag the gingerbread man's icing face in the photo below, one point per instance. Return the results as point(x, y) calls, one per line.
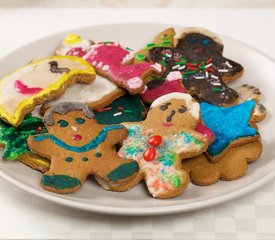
point(73, 128)
point(174, 114)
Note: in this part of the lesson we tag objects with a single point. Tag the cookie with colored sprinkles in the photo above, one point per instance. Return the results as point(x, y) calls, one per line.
point(115, 62)
point(78, 146)
point(159, 143)
point(196, 60)
point(128, 108)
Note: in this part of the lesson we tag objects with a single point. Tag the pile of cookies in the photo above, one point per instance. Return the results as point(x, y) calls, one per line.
point(164, 115)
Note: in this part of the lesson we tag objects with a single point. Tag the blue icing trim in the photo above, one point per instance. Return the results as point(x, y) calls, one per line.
point(91, 145)
point(228, 124)
point(60, 181)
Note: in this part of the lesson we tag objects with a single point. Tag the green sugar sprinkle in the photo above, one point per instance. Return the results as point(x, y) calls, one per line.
point(215, 89)
point(189, 72)
point(127, 111)
point(106, 42)
point(129, 49)
point(176, 181)
point(140, 57)
point(163, 63)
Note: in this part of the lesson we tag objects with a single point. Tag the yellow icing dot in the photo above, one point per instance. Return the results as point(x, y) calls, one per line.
point(72, 38)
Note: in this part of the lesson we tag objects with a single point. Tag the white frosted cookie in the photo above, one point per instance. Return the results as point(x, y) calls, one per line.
point(98, 94)
point(39, 81)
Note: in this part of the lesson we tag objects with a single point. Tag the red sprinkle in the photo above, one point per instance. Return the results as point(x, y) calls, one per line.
point(103, 109)
point(209, 70)
point(120, 108)
point(192, 68)
point(155, 140)
point(209, 61)
point(149, 154)
point(39, 129)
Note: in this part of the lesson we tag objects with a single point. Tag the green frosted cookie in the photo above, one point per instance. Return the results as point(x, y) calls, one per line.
point(128, 108)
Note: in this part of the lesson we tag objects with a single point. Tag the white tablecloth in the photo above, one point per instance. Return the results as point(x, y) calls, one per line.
point(24, 216)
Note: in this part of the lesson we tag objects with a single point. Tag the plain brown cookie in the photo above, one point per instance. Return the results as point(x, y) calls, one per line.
point(230, 167)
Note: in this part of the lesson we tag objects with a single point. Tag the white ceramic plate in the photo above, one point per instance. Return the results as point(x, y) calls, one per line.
point(259, 71)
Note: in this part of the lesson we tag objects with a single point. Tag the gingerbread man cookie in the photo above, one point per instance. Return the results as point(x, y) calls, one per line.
point(162, 140)
point(78, 146)
point(197, 61)
point(40, 81)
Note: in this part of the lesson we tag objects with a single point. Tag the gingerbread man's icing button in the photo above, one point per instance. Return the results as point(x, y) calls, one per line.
point(155, 140)
point(149, 154)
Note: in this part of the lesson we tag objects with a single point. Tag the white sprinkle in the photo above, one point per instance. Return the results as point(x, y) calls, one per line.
point(213, 76)
point(223, 70)
point(182, 67)
point(100, 64)
point(74, 128)
point(105, 68)
point(206, 74)
point(208, 65)
point(228, 64)
point(175, 67)
point(117, 114)
point(199, 77)
point(216, 83)
point(94, 63)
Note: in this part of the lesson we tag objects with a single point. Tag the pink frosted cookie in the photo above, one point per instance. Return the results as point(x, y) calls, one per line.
point(162, 140)
point(112, 60)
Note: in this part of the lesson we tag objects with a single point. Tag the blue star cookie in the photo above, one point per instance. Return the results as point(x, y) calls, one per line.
point(228, 125)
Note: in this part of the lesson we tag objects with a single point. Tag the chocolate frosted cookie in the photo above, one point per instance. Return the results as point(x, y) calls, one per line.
point(196, 59)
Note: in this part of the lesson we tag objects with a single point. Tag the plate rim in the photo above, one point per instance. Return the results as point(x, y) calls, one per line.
point(142, 211)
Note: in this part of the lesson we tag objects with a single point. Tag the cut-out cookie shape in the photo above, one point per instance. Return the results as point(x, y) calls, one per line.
point(14, 141)
point(40, 81)
point(162, 140)
point(231, 166)
point(78, 146)
point(115, 62)
point(231, 126)
point(196, 59)
point(100, 93)
point(247, 92)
